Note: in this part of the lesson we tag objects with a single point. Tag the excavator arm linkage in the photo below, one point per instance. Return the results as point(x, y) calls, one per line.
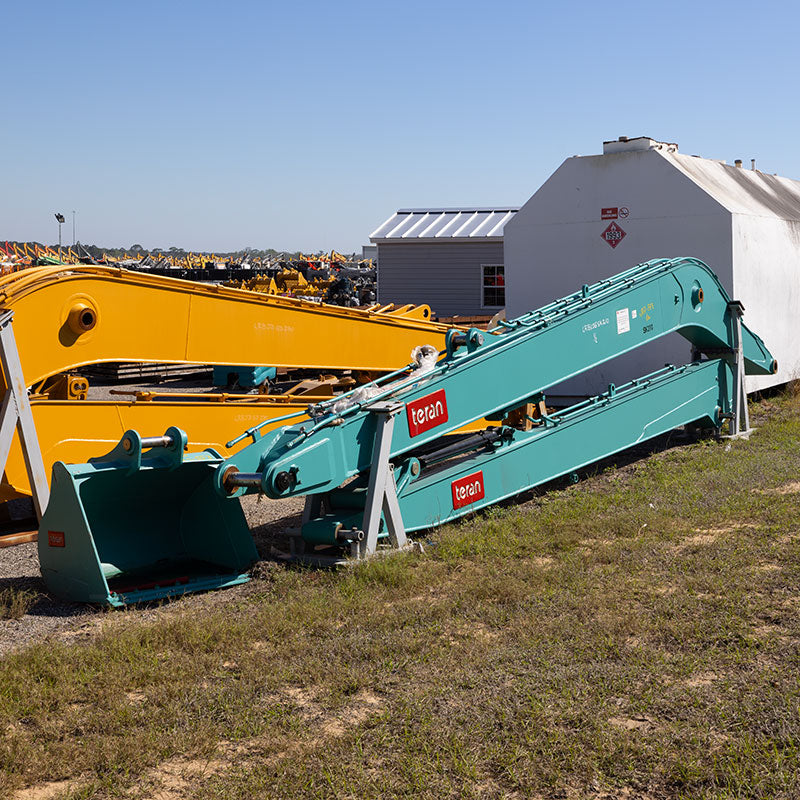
point(65, 317)
point(373, 464)
point(486, 374)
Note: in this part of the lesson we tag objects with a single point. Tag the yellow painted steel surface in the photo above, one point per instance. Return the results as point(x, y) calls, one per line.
point(138, 317)
point(76, 430)
point(135, 317)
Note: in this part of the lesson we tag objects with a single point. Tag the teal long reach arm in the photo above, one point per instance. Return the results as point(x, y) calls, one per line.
point(147, 520)
point(488, 374)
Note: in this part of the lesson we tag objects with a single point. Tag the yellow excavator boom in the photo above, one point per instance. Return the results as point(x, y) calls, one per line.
point(67, 317)
point(74, 431)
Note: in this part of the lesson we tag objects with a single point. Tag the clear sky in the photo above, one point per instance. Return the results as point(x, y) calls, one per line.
point(303, 125)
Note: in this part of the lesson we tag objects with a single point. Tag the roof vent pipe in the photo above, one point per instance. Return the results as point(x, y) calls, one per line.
point(623, 138)
point(752, 163)
point(738, 163)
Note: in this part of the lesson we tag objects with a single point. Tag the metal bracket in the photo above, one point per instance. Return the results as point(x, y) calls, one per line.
point(740, 424)
point(382, 490)
point(381, 497)
point(15, 413)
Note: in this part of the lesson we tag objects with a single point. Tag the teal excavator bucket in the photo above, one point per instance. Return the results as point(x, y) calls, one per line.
point(140, 524)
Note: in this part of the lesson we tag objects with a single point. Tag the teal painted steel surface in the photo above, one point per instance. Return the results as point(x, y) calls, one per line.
point(138, 525)
point(519, 460)
point(567, 441)
point(245, 376)
point(511, 365)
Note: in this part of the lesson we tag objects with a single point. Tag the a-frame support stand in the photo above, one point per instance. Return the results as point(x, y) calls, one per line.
point(381, 498)
point(382, 491)
point(16, 415)
point(740, 422)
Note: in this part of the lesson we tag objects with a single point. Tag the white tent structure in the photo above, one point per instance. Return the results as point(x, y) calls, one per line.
point(641, 199)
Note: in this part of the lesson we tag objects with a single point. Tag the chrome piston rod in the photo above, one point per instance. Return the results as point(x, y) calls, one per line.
point(157, 441)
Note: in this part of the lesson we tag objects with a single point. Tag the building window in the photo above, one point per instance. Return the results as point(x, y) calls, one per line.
point(493, 285)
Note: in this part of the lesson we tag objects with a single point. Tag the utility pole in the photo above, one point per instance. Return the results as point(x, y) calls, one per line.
point(73, 228)
point(60, 220)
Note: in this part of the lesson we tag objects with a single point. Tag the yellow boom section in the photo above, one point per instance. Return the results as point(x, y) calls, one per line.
point(66, 317)
point(76, 430)
point(70, 316)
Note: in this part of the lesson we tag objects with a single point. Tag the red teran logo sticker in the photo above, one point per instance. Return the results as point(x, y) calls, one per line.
point(467, 490)
point(55, 539)
point(426, 413)
point(608, 213)
point(613, 234)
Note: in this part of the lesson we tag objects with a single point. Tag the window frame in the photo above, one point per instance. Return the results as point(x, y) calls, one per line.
point(484, 287)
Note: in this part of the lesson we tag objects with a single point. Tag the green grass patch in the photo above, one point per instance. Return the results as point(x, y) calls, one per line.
point(636, 632)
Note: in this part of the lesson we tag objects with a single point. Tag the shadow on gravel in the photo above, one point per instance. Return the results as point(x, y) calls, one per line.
point(272, 537)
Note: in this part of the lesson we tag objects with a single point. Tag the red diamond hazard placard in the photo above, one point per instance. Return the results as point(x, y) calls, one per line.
point(613, 234)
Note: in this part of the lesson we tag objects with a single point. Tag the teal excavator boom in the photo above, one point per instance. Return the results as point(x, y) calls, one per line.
point(373, 464)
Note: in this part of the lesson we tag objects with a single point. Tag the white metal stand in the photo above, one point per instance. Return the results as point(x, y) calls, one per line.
point(15, 414)
point(382, 491)
point(740, 424)
point(381, 499)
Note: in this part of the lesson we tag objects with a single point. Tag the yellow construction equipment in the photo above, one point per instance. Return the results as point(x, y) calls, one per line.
point(75, 430)
point(70, 316)
point(66, 317)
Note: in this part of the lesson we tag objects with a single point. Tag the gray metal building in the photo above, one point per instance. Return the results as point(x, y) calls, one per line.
point(450, 258)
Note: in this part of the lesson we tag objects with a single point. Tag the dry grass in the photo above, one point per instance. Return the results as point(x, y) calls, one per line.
point(634, 636)
point(16, 603)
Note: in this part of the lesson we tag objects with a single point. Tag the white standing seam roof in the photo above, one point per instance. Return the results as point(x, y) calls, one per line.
point(437, 224)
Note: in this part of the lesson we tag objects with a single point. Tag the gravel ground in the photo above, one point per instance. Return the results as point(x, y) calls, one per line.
point(269, 522)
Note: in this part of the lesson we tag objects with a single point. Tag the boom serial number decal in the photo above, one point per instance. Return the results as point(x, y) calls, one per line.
point(598, 323)
point(467, 490)
point(426, 413)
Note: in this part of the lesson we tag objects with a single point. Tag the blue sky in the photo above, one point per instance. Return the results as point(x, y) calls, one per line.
point(302, 125)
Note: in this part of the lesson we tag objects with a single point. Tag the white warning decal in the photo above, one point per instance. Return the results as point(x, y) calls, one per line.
point(623, 321)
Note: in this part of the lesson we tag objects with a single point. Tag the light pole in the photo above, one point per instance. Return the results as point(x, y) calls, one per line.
point(60, 220)
point(73, 228)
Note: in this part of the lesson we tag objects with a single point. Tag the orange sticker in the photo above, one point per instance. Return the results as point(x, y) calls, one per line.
point(56, 538)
